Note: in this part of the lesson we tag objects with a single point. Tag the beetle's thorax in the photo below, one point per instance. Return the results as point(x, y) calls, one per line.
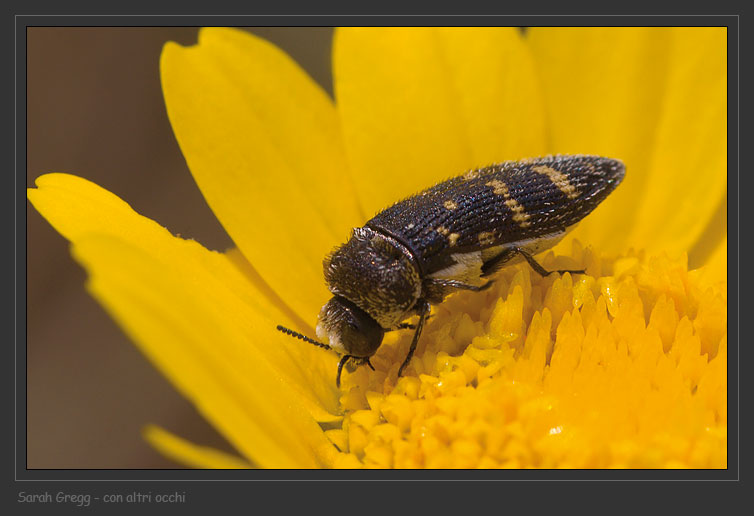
point(377, 273)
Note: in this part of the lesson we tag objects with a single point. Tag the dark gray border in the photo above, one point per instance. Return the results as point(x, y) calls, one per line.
point(98, 482)
point(375, 20)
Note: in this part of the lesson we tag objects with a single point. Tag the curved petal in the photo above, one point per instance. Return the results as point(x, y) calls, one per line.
point(263, 143)
point(419, 105)
point(195, 315)
point(641, 95)
point(189, 342)
point(718, 261)
point(715, 270)
point(710, 239)
point(602, 88)
point(688, 170)
point(75, 207)
point(190, 454)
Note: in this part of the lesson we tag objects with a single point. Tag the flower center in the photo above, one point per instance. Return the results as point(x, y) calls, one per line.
point(624, 366)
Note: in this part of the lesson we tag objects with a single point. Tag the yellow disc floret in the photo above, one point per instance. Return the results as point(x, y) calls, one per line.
point(621, 367)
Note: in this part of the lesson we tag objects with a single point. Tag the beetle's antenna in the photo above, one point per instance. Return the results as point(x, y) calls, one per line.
point(302, 337)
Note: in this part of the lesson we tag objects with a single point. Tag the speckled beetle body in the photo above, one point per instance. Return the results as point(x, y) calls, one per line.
point(452, 236)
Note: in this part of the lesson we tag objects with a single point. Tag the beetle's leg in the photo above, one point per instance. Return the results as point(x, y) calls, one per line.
point(356, 360)
point(423, 313)
point(435, 289)
point(541, 270)
point(405, 325)
point(455, 284)
point(494, 264)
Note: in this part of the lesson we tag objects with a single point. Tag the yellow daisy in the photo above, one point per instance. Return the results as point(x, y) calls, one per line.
point(624, 366)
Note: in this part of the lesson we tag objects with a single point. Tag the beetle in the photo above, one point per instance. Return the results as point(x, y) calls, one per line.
point(450, 237)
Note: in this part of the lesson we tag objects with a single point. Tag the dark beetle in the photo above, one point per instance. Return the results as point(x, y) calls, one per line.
point(452, 236)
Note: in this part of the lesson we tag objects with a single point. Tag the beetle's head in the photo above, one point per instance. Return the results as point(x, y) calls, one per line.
point(348, 329)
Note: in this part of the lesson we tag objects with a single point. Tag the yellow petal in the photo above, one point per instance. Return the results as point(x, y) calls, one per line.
point(190, 454)
point(186, 332)
point(135, 264)
point(419, 105)
point(712, 236)
point(688, 170)
point(601, 88)
point(715, 270)
point(75, 207)
point(719, 259)
point(640, 95)
point(262, 141)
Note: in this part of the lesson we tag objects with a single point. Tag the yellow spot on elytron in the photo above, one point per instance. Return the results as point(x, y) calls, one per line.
point(498, 187)
point(442, 230)
point(486, 238)
point(559, 179)
point(471, 174)
point(450, 205)
point(453, 238)
point(519, 215)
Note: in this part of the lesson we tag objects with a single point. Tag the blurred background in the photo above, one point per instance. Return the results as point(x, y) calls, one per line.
point(95, 109)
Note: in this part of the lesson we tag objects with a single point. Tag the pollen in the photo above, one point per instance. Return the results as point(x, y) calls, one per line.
point(450, 205)
point(621, 367)
point(453, 238)
point(443, 230)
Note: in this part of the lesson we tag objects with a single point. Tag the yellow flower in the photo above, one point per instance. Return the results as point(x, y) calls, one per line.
point(624, 366)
